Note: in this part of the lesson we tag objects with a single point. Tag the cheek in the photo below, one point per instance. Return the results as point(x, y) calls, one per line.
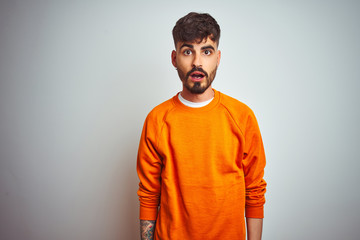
point(184, 61)
point(184, 68)
point(214, 62)
point(210, 67)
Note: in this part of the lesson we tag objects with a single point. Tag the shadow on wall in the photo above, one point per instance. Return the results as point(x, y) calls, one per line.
point(124, 204)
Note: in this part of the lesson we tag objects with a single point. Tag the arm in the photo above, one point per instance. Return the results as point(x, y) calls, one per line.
point(149, 170)
point(147, 228)
point(254, 164)
point(254, 228)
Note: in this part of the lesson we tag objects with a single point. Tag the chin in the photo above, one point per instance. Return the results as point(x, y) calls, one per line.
point(197, 88)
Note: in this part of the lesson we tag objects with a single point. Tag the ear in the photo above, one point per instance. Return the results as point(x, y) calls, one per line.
point(173, 58)
point(218, 57)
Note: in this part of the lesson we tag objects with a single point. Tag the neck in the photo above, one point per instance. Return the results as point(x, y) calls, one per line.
point(201, 97)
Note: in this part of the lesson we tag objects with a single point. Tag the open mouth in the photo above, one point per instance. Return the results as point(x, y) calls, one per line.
point(197, 76)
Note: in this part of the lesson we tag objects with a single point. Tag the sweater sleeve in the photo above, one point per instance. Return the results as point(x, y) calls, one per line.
point(149, 171)
point(254, 164)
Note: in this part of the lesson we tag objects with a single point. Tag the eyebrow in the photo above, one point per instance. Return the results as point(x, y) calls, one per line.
point(208, 47)
point(192, 46)
point(187, 45)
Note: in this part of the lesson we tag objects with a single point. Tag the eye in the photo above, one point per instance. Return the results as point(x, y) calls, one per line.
point(207, 52)
point(187, 52)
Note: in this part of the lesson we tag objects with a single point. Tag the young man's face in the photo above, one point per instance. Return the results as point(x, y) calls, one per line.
point(196, 64)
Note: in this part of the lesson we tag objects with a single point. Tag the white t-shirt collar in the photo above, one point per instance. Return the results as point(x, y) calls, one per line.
point(193, 104)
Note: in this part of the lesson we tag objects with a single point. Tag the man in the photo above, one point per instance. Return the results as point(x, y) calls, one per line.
point(201, 159)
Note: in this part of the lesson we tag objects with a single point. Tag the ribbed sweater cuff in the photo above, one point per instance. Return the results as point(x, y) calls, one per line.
point(254, 212)
point(148, 213)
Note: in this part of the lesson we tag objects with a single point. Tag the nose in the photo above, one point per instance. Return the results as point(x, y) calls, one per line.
point(197, 61)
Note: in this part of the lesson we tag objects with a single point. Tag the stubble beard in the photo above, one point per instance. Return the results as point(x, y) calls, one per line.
point(197, 87)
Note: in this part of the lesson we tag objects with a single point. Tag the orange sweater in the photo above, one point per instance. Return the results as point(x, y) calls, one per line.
point(204, 167)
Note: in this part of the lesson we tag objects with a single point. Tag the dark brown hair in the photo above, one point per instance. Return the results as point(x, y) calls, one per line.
point(196, 27)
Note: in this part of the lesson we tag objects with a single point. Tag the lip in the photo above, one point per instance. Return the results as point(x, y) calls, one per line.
point(195, 79)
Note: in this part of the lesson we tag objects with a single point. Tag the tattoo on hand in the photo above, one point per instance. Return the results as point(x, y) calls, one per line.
point(147, 228)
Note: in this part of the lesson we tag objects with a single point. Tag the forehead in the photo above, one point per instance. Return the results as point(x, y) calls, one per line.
point(197, 44)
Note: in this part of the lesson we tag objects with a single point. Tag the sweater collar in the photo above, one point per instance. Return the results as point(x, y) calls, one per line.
point(208, 107)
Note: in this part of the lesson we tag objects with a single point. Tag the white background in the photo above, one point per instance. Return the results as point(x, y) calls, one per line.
point(79, 77)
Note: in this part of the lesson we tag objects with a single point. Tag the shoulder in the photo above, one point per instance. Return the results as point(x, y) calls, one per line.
point(241, 113)
point(158, 114)
point(235, 106)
